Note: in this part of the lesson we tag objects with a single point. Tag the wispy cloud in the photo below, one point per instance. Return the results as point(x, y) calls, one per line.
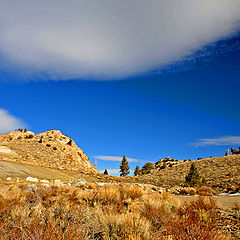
point(113, 171)
point(116, 159)
point(107, 39)
point(8, 122)
point(219, 141)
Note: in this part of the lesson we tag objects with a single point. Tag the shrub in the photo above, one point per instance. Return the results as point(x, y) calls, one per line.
point(29, 136)
point(132, 192)
point(123, 226)
point(163, 166)
point(70, 142)
point(236, 206)
point(195, 220)
point(108, 212)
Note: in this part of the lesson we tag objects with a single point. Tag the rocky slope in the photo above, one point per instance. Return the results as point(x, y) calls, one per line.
point(54, 150)
point(50, 149)
point(218, 172)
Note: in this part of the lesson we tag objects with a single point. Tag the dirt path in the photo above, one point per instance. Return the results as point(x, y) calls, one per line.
point(22, 170)
point(223, 201)
point(7, 151)
point(4, 149)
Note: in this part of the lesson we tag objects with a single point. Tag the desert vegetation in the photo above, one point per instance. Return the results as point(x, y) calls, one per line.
point(43, 212)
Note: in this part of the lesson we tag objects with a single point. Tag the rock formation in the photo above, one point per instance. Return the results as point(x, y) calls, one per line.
point(50, 149)
point(234, 151)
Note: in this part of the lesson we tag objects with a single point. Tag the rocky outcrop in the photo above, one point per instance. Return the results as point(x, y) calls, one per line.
point(50, 149)
point(219, 172)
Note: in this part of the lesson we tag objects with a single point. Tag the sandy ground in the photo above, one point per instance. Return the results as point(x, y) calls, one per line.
point(12, 169)
point(223, 201)
point(8, 151)
point(22, 170)
point(4, 149)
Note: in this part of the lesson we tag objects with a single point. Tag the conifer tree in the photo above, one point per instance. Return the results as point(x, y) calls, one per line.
point(105, 172)
point(137, 171)
point(124, 167)
point(193, 178)
point(147, 168)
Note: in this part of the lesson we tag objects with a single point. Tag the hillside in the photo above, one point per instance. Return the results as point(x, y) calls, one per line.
point(51, 149)
point(52, 154)
point(218, 172)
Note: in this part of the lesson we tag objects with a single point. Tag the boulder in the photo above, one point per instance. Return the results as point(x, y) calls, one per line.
point(78, 182)
point(44, 181)
point(31, 179)
point(31, 188)
point(58, 183)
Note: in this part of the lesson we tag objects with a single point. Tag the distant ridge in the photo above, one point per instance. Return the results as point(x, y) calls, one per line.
point(219, 172)
point(56, 151)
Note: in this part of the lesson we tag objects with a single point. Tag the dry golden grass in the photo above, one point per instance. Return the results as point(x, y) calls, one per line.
point(113, 212)
point(196, 220)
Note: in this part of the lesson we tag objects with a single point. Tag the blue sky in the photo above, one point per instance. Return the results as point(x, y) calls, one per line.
point(186, 107)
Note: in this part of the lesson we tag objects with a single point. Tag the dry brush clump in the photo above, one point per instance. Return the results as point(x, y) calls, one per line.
point(108, 212)
point(196, 220)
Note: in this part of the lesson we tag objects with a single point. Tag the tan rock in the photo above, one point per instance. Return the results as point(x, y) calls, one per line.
point(50, 149)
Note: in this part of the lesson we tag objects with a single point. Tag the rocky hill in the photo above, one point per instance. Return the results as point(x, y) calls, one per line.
point(218, 172)
point(51, 149)
point(55, 151)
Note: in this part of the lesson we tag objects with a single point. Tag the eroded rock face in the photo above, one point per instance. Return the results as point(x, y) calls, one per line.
point(48, 149)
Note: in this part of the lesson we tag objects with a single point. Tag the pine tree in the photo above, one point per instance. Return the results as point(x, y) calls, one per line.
point(193, 178)
point(147, 168)
point(137, 171)
point(124, 167)
point(105, 172)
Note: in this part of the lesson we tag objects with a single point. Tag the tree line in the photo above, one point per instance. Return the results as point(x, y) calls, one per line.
point(124, 168)
point(192, 179)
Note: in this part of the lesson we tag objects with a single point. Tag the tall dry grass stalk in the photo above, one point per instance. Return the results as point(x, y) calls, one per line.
point(107, 213)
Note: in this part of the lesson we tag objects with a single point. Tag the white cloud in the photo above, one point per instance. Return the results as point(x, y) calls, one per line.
point(8, 122)
point(107, 39)
point(220, 141)
point(111, 171)
point(115, 159)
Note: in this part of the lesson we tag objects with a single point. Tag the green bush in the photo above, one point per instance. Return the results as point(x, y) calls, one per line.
point(193, 178)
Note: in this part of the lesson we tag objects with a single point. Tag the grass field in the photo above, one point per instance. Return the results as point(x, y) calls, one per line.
point(105, 213)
